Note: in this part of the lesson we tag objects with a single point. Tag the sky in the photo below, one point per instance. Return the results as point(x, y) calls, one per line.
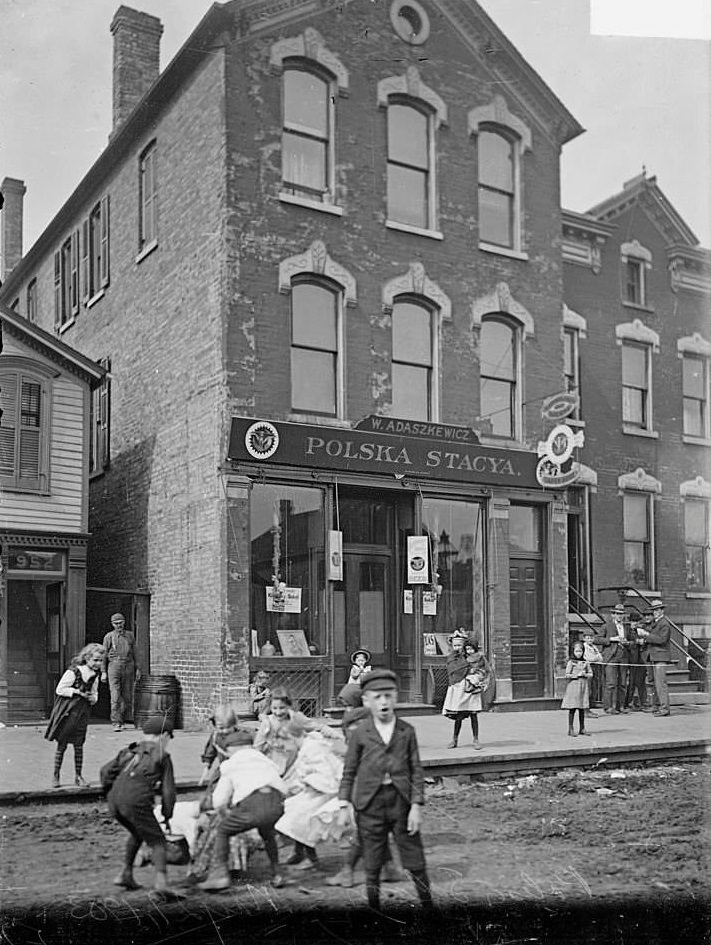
point(645, 101)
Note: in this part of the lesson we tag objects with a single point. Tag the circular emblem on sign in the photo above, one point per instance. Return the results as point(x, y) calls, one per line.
point(417, 563)
point(262, 439)
point(560, 444)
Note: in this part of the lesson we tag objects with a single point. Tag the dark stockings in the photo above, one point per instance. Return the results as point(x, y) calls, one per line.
point(571, 719)
point(59, 757)
point(301, 850)
point(78, 759)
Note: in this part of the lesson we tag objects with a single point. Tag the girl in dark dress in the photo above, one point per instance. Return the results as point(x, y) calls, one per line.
point(76, 692)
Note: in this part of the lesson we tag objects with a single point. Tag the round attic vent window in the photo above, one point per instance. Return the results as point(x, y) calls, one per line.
point(410, 21)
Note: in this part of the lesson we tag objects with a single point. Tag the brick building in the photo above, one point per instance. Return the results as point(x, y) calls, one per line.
point(321, 256)
point(637, 319)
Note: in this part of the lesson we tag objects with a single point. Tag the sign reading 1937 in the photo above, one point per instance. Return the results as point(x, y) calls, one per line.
point(295, 444)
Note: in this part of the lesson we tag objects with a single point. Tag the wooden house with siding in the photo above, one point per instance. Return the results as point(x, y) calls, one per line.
point(48, 393)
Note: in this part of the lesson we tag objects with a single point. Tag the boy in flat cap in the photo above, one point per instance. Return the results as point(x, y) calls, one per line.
point(146, 771)
point(383, 781)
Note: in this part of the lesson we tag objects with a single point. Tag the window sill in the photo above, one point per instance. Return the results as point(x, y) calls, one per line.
point(637, 431)
point(96, 474)
point(147, 250)
point(503, 251)
point(502, 441)
point(578, 424)
point(695, 440)
point(638, 308)
point(310, 204)
point(95, 298)
point(415, 230)
point(318, 420)
point(66, 325)
point(698, 595)
point(10, 486)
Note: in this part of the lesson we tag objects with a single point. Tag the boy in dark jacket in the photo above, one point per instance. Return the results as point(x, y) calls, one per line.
point(148, 772)
point(383, 780)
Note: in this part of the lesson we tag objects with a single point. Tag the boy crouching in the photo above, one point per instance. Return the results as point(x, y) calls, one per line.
point(383, 780)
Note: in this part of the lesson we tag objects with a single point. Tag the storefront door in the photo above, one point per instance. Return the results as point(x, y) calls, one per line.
point(362, 607)
point(527, 644)
point(55, 656)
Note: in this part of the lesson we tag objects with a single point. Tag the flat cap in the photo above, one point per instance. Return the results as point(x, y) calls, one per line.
point(157, 725)
point(379, 679)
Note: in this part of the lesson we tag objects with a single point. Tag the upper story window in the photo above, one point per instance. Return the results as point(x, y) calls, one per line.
point(315, 348)
point(636, 260)
point(497, 189)
point(66, 282)
point(147, 223)
point(499, 372)
point(24, 428)
point(409, 166)
point(636, 386)
point(32, 301)
point(95, 249)
point(414, 361)
point(417, 307)
point(695, 387)
point(414, 113)
point(502, 140)
point(99, 422)
point(319, 289)
point(571, 364)
point(638, 343)
point(695, 354)
point(307, 136)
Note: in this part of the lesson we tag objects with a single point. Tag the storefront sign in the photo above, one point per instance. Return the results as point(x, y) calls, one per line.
point(417, 559)
point(417, 428)
point(555, 469)
point(295, 444)
point(31, 561)
point(560, 406)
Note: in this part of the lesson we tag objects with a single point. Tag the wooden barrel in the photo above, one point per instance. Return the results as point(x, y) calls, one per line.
point(157, 695)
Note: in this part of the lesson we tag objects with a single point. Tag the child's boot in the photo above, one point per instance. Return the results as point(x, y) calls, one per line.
point(126, 879)
point(218, 879)
point(453, 743)
point(571, 732)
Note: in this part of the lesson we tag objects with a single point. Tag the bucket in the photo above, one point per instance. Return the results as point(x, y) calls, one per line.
point(157, 695)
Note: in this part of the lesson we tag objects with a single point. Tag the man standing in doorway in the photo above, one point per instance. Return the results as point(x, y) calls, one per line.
point(119, 668)
point(658, 640)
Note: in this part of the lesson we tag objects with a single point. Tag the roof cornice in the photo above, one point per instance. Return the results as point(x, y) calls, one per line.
point(585, 225)
point(495, 51)
point(645, 193)
point(46, 344)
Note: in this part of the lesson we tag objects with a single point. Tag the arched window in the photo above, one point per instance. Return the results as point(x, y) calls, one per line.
point(409, 137)
point(497, 189)
point(307, 133)
point(414, 391)
point(499, 372)
point(315, 346)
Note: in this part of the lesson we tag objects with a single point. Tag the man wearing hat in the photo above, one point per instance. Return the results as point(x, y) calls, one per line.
point(251, 794)
point(383, 782)
point(147, 771)
point(613, 644)
point(119, 669)
point(658, 640)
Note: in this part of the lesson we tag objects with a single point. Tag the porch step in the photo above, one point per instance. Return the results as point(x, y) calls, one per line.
point(688, 698)
point(23, 688)
point(403, 708)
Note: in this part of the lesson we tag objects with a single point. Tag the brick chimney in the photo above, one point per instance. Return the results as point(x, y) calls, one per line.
point(13, 191)
point(136, 58)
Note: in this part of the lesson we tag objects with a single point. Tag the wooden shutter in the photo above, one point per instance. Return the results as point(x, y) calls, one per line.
point(104, 416)
point(85, 261)
point(75, 272)
point(8, 421)
point(104, 241)
point(57, 290)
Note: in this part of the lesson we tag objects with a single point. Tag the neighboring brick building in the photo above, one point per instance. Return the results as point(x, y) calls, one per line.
point(638, 291)
point(321, 213)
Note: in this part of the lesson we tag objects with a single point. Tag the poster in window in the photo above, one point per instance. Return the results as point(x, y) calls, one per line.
point(293, 643)
point(407, 601)
point(417, 558)
point(429, 603)
point(287, 600)
point(335, 556)
point(430, 644)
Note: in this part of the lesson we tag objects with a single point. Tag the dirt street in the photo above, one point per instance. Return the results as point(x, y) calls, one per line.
point(615, 854)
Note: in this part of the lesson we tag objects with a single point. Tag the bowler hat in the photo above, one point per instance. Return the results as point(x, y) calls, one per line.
point(658, 605)
point(379, 679)
point(365, 653)
point(158, 725)
point(619, 609)
point(460, 634)
point(238, 739)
